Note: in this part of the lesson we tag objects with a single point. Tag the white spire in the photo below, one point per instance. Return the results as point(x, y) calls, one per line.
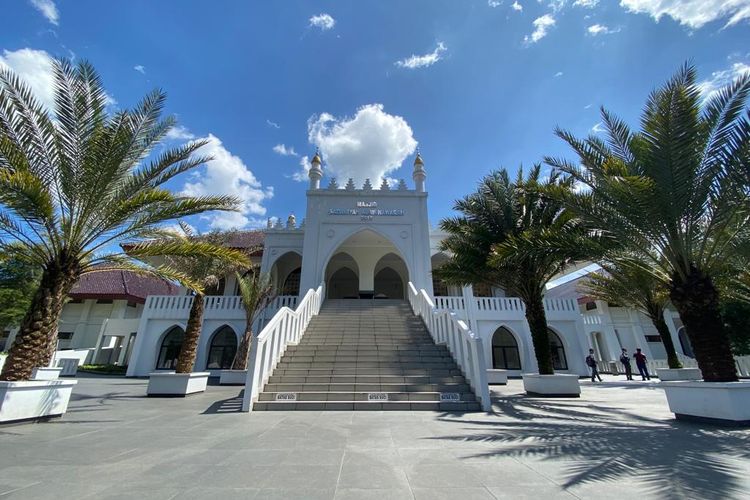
point(315, 173)
point(419, 175)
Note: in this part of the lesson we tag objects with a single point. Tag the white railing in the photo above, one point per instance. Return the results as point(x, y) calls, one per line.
point(463, 344)
point(285, 328)
point(512, 305)
point(215, 306)
point(592, 319)
point(500, 304)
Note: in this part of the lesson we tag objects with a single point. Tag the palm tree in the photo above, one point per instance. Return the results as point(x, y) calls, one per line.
point(675, 192)
point(202, 273)
point(76, 182)
point(489, 243)
point(256, 291)
point(633, 286)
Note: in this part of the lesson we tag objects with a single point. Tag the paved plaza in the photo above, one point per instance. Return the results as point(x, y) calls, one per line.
point(616, 441)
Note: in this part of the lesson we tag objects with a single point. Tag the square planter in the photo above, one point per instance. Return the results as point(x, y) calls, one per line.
point(176, 384)
point(233, 377)
point(46, 373)
point(34, 399)
point(497, 377)
point(670, 374)
point(553, 386)
point(725, 403)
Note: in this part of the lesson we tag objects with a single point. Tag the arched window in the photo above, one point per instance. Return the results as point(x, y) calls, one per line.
point(291, 283)
point(170, 349)
point(559, 361)
point(222, 349)
point(505, 353)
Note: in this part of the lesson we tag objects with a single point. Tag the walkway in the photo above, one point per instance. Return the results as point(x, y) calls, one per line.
point(617, 441)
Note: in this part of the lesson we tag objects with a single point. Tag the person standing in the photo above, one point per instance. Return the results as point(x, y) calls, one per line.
point(625, 360)
point(591, 362)
point(640, 362)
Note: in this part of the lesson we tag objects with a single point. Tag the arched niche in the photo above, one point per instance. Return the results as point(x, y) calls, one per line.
point(391, 277)
point(169, 348)
point(505, 352)
point(557, 348)
point(285, 272)
point(221, 349)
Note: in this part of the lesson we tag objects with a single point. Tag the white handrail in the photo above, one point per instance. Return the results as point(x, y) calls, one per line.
point(286, 327)
point(465, 347)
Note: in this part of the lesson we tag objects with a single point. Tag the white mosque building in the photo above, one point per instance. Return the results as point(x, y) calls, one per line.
point(364, 242)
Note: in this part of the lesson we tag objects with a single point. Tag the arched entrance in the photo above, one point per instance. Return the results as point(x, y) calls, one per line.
point(285, 273)
point(169, 349)
point(505, 354)
point(366, 265)
point(222, 349)
point(559, 360)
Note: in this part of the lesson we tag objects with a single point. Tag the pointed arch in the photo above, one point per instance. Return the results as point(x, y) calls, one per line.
point(169, 348)
point(222, 348)
point(557, 348)
point(505, 352)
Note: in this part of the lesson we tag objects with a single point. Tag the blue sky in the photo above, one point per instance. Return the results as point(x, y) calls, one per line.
point(477, 85)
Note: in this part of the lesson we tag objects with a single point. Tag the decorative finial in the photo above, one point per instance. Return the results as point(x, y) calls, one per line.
point(367, 186)
point(269, 224)
point(291, 222)
point(402, 185)
point(279, 225)
point(385, 186)
point(333, 184)
point(350, 185)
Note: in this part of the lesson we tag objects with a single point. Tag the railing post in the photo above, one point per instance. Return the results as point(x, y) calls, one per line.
point(253, 375)
point(482, 388)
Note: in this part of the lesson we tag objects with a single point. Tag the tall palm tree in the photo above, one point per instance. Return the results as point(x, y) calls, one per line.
point(488, 243)
point(256, 292)
point(635, 287)
point(675, 192)
point(76, 180)
point(202, 273)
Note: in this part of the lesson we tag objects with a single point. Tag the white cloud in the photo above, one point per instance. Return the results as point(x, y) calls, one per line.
point(304, 167)
point(587, 4)
point(494, 3)
point(721, 78)
point(371, 144)
point(227, 174)
point(272, 124)
point(425, 60)
point(598, 128)
point(140, 69)
point(600, 29)
point(692, 13)
point(48, 10)
point(34, 67)
point(517, 6)
point(559, 74)
point(179, 133)
point(557, 5)
point(284, 151)
point(587, 106)
point(541, 27)
point(323, 21)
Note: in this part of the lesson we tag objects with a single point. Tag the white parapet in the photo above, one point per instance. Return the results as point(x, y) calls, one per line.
point(671, 374)
point(558, 385)
point(34, 399)
point(719, 402)
point(46, 373)
point(232, 377)
point(176, 384)
point(497, 377)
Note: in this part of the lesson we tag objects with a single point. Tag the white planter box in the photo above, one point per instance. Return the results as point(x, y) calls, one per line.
point(558, 385)
point(2, 361)
point(176, 384)
point(497, 377)
point(34, 399)
point(69, 366)
point(233, 377)
point(46, 373)
point(720, 402)
point(669, 374)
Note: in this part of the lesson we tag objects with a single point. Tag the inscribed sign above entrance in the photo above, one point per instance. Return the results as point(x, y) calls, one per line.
point(367, 210)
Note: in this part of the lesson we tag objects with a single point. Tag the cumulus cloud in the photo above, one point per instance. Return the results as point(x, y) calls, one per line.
point(227, 174)
point(559, 74)
point(304, 167)
point(323, 21)
point(140, 69)
point(600, 29)
point(48, 10)
point(557, 5)
point(425, 60)
point(494, 3)
point(587, 4)
point(369, 145)
point(692, 13)
point(542, 26)
point(283, 150)
point(180, 133)
point(517, 6)
point(34, 67)
point(721, 78)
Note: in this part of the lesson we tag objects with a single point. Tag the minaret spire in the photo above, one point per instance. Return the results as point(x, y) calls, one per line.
point(419, 175)
point(315, 173)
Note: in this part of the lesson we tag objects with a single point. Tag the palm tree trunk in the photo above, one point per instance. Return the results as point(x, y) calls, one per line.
point(243, 350)
point(656, 315)
point(537, 320)
point(697, 301)
point(189, 349)
point(37, 336)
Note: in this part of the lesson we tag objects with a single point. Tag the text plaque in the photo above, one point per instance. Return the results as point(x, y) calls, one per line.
point(377, 396)
point(450, 397)
point(286, 396)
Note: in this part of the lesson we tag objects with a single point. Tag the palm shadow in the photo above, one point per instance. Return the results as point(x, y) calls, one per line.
point(600, 443)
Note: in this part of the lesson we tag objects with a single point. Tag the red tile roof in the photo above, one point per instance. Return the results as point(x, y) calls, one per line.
point(121, 285)
point(237, 239)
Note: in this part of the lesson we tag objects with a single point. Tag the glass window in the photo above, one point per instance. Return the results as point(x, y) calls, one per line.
point(482, 290)
point(291, 284)
point(559, 361)
point(222, 350)
point(505, 353)
point(170, 349)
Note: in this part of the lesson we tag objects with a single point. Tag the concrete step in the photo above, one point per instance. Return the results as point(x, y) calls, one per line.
point(364, 372)
point(366, 405)
point(366, 387)
point(322, 396)
point(368, 379)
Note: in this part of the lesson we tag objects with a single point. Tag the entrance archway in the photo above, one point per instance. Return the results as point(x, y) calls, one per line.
point(343, 284)
point(169, 349)
point(285, 273)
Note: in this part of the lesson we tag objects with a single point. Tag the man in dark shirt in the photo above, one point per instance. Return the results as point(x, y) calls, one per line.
point(591, 362)
point(625, 360)
point(640, 362)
